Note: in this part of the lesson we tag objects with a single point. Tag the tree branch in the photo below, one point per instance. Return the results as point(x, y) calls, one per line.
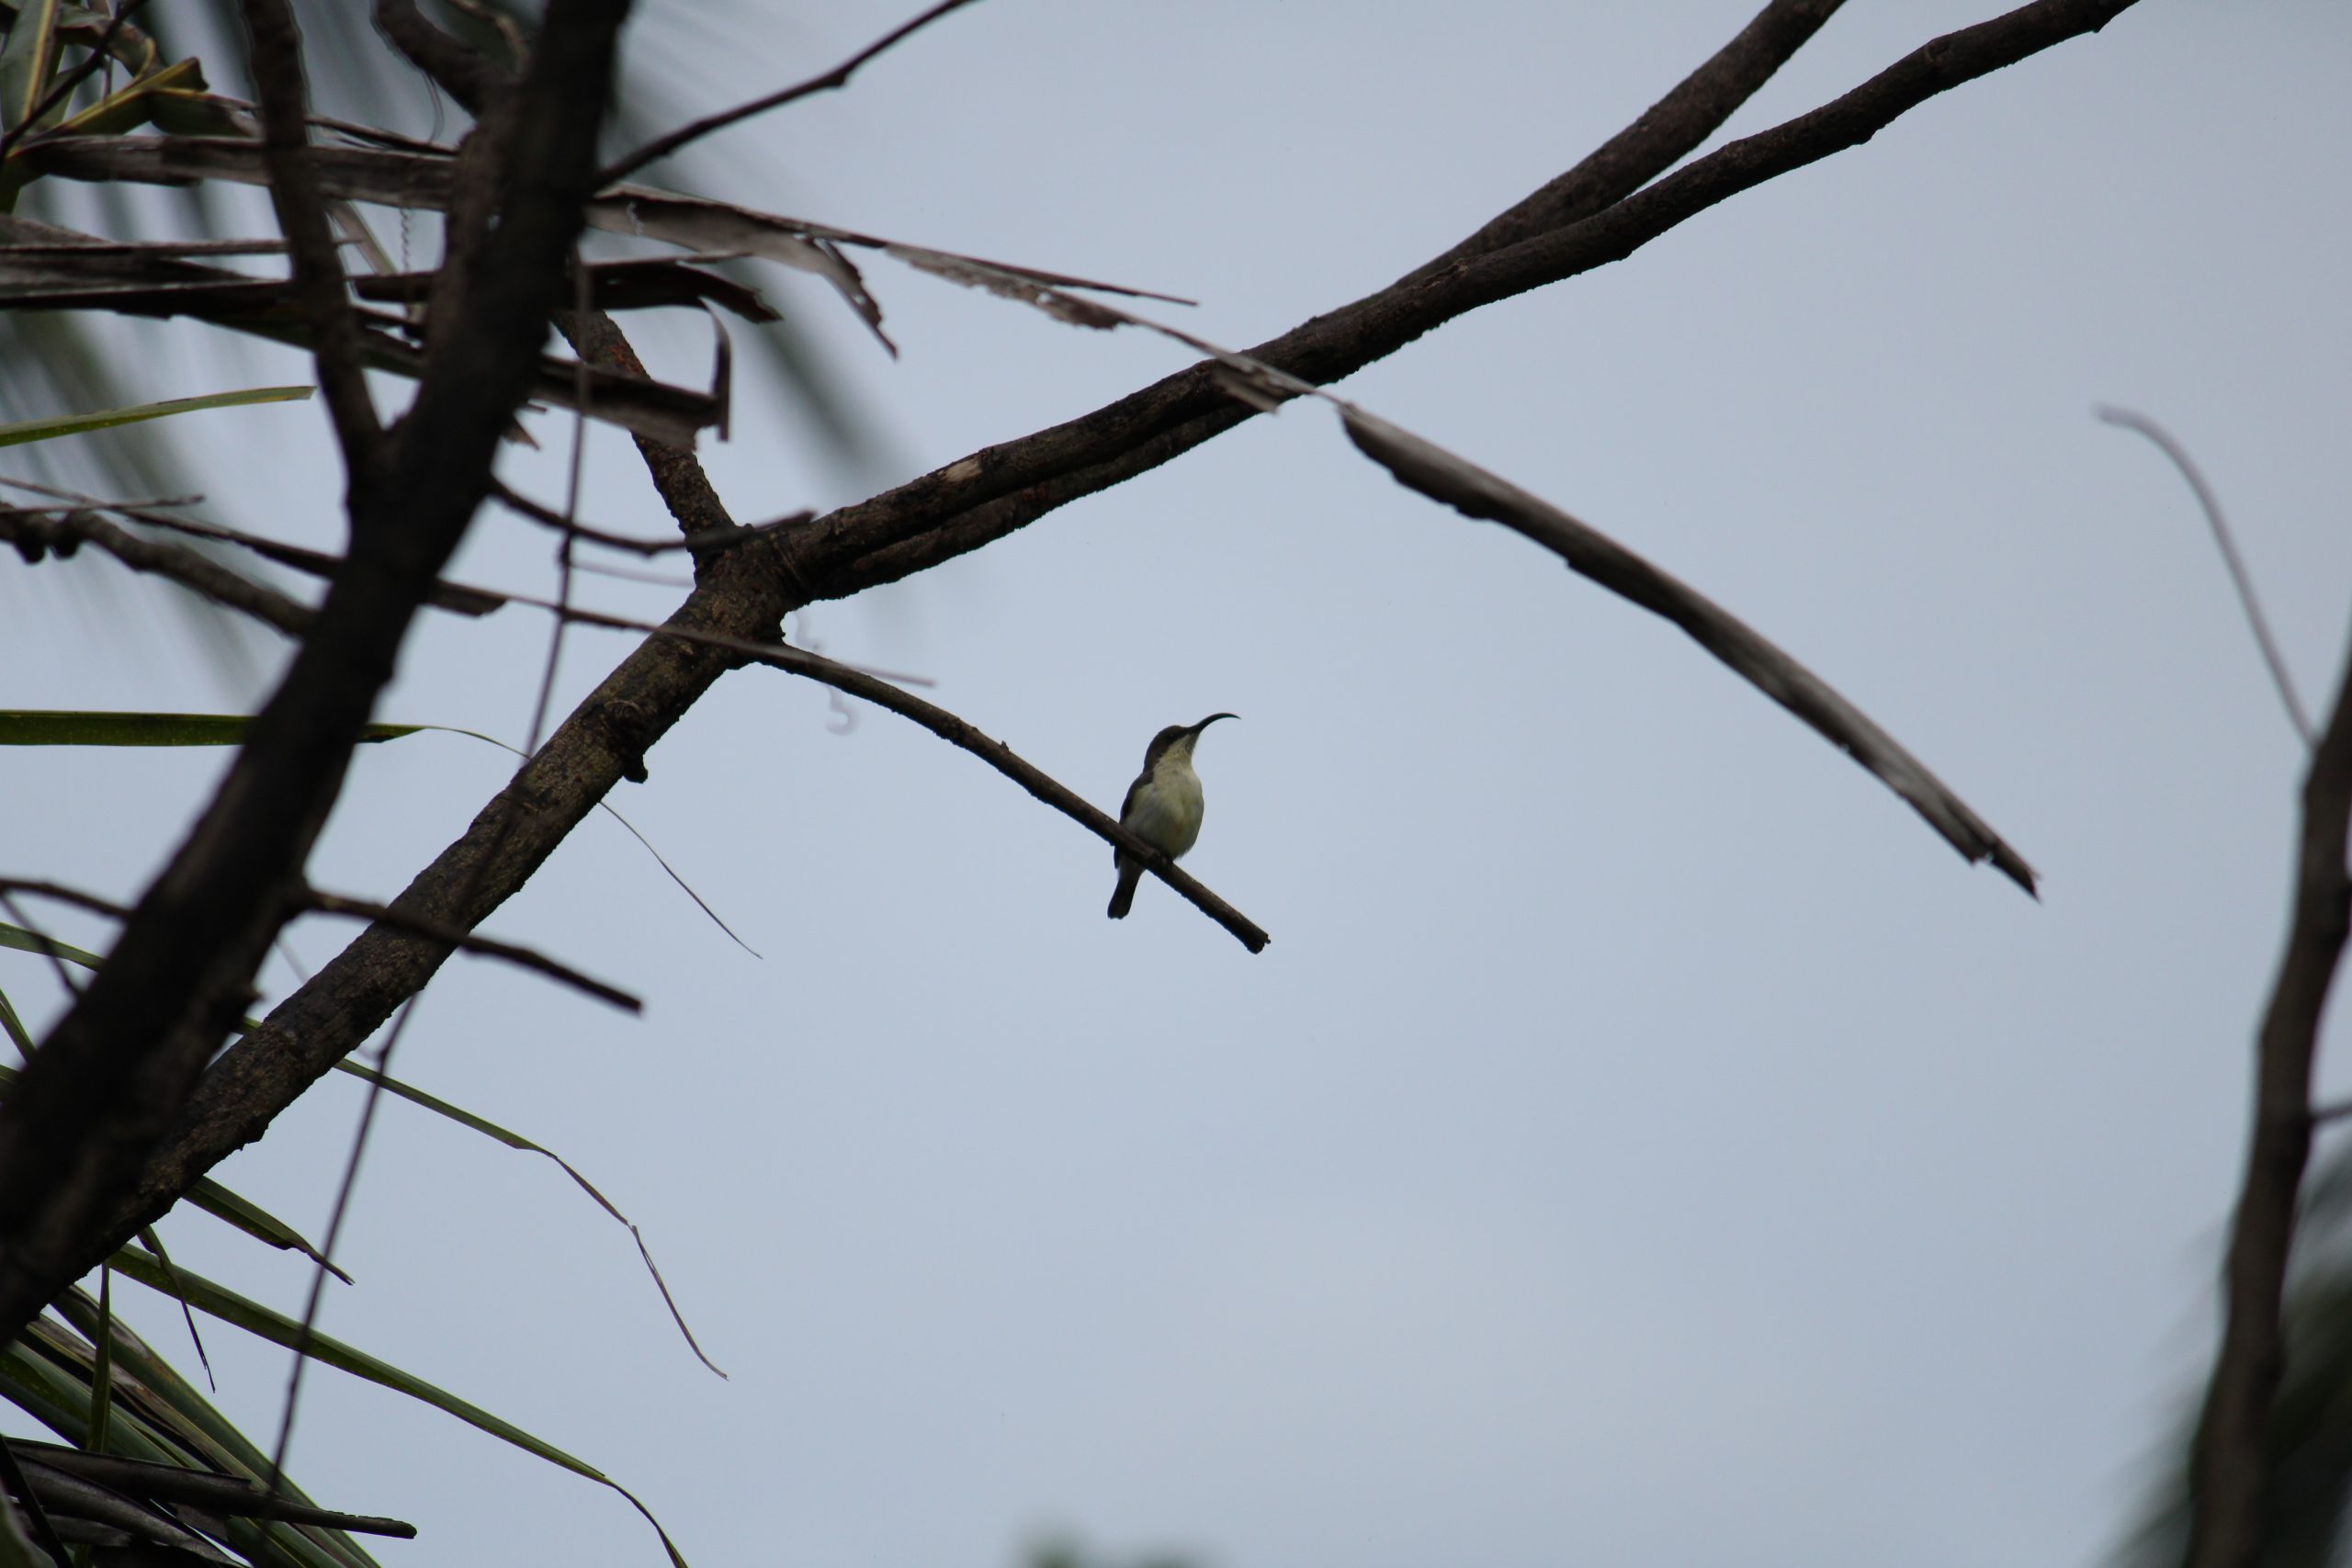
point(1693, 111)
point(1475, 492)
point(454, 936)
point(118, 1066)
point(662, 146)
point(727, 536)
point(64, 895)
point(2228, 1466)
point(317, 262)
point(33, 534)
point(454, 597)
point(1001, 757)
point(999, 490)
point(955, 732)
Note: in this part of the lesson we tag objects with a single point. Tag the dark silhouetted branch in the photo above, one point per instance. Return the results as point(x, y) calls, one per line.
point(1686, 117)
point(64, 895)
point(1475, 492)
point(727, 537)
point(33, 534)
point(489, 947)
point(662, 146)
point(955, 732)
point(2229, 1476)
point(976, 499)
point(280, 92)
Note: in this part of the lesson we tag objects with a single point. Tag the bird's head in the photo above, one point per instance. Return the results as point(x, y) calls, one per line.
point(1181, 738)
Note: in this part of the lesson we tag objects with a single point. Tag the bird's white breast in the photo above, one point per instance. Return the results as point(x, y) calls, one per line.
point(1166, 813)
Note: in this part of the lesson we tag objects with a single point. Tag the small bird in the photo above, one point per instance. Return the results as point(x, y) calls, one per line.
point(1163, 806)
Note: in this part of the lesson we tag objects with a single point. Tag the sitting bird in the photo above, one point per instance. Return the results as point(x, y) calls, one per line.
point(1163, 806)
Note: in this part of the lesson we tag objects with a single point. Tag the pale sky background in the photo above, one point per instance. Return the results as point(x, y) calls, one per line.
point(1644, 1141)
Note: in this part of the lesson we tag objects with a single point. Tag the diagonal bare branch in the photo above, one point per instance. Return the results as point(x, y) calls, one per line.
point(33, 534)
point(1475, 493)
point(489, 947)
point(1001, 757)
point(662, 146)
point(1675, 124)
point(727, 537)
point(454, 597)
point(64, 895)
point(874, 689)
point(1000, 490)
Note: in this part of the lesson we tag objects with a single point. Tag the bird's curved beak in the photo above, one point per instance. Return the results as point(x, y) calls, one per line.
point(1212, 719)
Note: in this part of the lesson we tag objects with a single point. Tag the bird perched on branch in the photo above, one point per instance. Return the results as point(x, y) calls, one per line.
point(1163, 806)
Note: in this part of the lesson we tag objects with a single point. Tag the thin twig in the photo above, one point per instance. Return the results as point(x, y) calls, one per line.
point(954, 731)
point(12, 885)
point(662, 146)
point(33, 535)
point(701, 539)
point(459, 937)
point(65, 895)
point(1038, 783)
point(455, 597)
point(316, 1296)
point(2244, 582)
point(2229, 1465)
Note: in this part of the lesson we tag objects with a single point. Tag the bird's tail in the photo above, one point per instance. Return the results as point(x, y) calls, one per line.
point(1123, 898)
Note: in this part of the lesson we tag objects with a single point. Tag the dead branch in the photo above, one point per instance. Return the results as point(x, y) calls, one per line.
point(33, 534)
point(980, 498)
point(662, 146)
point(1475, 492)
point(489, 947)
point(955, 732)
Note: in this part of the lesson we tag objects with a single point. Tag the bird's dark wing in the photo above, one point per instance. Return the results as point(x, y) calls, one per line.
point(1128, 804)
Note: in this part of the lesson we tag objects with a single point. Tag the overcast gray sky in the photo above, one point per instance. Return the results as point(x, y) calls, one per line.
point(1644, 1141)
